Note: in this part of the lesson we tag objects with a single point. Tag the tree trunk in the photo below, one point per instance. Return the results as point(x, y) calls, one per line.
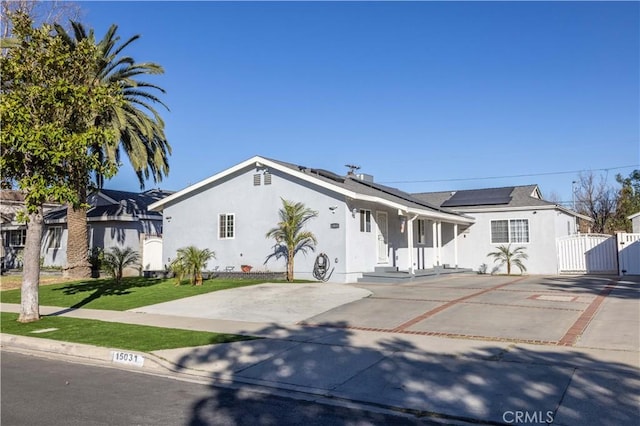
point(29, 305)
point(78, 265)
point(290, 267)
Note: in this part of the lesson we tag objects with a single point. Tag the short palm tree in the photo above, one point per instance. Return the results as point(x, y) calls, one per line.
point(190, 261)
point(138, 127)
point(115, 261)
point(504, 255)
point(290, 234)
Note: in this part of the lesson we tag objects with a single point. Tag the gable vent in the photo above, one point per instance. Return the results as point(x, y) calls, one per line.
point(267, 178)
point(256, 179)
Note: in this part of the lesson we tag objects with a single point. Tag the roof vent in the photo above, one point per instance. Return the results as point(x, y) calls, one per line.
point(365, 177)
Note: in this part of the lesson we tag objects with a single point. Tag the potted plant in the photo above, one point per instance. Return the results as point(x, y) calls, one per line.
point(96, 256)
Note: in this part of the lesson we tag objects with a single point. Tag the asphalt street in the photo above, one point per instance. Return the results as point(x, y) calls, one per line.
point(38, 391)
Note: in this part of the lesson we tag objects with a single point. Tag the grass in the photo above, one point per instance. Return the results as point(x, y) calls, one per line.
point(131, 293)
point(112, 334)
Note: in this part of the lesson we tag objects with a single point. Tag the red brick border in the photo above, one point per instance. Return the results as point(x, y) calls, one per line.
point(414, 321)
point(578, 327)
point(569, 339)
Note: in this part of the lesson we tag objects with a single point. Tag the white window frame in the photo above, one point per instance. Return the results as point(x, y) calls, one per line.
point(55, 242)
point(226, 233)
point(510, 231)
point(365, 220)
point(421, 231)
point(23, 237)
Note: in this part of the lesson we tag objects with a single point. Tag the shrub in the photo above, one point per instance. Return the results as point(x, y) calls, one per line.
point(116, 260)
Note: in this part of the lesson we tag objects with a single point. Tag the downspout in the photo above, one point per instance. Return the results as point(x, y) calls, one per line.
point(412, 270)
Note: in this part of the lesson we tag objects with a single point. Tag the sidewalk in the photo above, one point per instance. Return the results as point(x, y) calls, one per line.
point(451, 379)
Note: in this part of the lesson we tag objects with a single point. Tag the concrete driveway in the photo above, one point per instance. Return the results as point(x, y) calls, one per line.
point(283, 304)
point(579, 311)
point(584, 311)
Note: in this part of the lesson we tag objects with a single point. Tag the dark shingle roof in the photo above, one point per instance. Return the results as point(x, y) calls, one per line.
point(128, 205)
point(354, 184)
point(512, 196)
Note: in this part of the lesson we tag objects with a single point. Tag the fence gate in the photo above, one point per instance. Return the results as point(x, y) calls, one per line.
point(152, 254)
point(587, 254)
point(629, 253)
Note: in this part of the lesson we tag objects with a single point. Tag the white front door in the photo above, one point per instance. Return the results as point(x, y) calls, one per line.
point(383, 245)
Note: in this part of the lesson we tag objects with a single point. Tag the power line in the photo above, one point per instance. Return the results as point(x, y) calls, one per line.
point(512, 176)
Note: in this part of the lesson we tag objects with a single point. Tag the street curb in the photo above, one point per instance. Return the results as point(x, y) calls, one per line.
point(99, 356)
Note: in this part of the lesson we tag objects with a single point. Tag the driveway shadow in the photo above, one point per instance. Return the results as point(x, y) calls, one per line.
point(627, 287)
point(487, 383)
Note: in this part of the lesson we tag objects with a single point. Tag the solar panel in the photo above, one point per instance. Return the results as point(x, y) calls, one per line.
point(480, 197)
point(327, 174)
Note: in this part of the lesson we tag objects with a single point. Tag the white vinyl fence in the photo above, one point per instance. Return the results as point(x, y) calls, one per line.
point(599, 254)
point(629, 254)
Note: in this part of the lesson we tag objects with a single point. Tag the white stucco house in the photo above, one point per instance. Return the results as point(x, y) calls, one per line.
point(362, 226)
point(516, 215)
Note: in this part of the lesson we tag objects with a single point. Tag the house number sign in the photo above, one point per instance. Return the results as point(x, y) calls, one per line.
point(127, 358)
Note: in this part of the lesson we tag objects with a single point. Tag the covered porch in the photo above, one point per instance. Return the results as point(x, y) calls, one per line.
point(426, 243)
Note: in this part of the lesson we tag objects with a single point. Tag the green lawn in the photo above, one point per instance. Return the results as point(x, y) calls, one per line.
point(112, 334)
point(131, 293)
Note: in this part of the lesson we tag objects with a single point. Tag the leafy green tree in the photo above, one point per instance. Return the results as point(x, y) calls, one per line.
point(116, 260)
point(138, 126)
point(190, 261)
point(504, 255)
point(48, 125)
point(628, 202)
point(290, 236)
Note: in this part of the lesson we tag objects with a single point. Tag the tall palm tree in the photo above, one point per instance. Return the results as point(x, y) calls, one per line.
point(138, 127)
point(289, 234)
point(504, 255)
point(191, 261)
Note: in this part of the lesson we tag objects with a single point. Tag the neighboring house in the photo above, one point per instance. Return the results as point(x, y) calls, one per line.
point(13, 233)
point(360, 226)
point(635, 223)
point(515, 215)
point(115, 219)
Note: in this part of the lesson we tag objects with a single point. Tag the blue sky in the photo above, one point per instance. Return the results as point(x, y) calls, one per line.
point(412, 92)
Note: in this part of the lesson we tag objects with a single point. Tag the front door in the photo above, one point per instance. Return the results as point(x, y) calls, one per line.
point(383, 244)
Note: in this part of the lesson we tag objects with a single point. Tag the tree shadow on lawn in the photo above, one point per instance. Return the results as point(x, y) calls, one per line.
point(104, 288)
point(484, 382)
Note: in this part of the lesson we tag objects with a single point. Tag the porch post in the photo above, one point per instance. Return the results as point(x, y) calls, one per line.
point(434, 230)
point(439, 243)
point(455, 244)
point(411, 268)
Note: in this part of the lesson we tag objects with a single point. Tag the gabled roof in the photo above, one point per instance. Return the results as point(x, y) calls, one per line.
point(487, 199)
point(123, 206)
point(349, 186)
point(509, 196)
